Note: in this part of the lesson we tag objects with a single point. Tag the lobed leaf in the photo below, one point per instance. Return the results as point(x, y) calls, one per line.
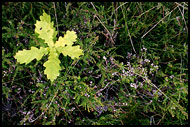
point(45, 29)
point(67, 40)
point(26, 56)
point(66, 43)
point(72, 51)
point(52, 65)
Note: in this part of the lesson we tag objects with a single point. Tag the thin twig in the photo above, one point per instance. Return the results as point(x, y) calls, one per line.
point(102, 23)
point(79, 110)
point(182, 6)
point(181, 65)
point(56, 17)
point(152, 122)
point(131, 40)
point(159, 22)
point(186, 5)
point(46, 108)
point(120, 6)
point(146, 11)
point(129, 33)
point(103, 88)
point(160, 120)
point(183, 18)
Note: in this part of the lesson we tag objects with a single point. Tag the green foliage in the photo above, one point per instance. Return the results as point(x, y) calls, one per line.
point(45, 29)
point(47, 32)
point(26, 56)
point(110, 84)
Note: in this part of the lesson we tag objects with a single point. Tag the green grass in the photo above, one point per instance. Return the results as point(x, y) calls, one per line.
point(126, 45)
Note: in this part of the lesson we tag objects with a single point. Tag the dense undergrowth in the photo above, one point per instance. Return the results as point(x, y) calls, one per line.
point(133, 71)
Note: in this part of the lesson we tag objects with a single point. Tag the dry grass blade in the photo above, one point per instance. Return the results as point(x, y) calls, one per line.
point(182, 14)
point(158, 23)
point(103, 24)
point(128, 32)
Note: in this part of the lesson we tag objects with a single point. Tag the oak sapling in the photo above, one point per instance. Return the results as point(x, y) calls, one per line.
point(46, 31)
